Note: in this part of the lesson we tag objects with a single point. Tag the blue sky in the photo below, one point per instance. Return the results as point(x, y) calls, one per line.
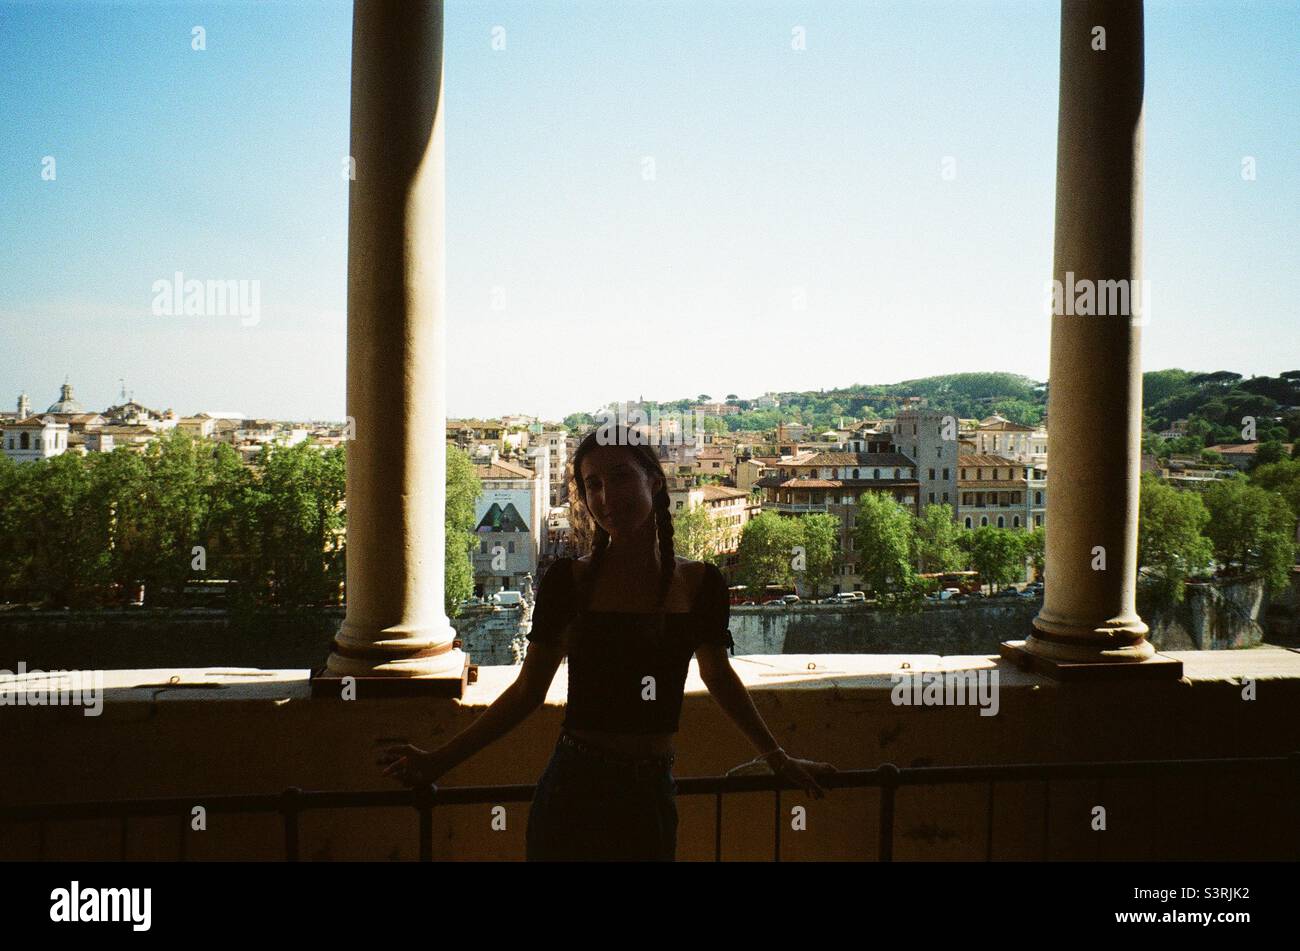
point(779, 174)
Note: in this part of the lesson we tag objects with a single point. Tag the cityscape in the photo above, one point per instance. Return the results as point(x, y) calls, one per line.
point(726, 470)
point(483, 431)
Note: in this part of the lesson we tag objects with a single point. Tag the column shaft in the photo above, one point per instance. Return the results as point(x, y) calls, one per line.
point(1095, 387)
point(396, 624)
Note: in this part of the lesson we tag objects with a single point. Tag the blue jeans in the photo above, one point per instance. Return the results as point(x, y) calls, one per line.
point(594, 806)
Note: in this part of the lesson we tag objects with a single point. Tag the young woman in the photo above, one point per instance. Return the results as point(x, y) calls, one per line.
point(629, 615)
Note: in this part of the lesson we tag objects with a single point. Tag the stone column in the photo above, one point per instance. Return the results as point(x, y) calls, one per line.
point(1089, 613)
point(396, 460)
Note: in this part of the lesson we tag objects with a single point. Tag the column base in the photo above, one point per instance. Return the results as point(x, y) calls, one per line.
point(1104, 665)
point(429, 658)
point(372, 683)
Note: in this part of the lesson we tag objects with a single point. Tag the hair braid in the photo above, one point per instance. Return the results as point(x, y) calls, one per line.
point(667, 552)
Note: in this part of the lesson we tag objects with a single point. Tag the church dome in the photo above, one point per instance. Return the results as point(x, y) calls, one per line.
point(66, 403)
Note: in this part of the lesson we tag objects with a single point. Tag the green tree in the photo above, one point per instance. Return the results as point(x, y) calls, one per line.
point(463, 490)
point(935, 543)
point(1282, 477)
point(1035, 542)
point(1171, 543)
point(998, 555)
point(1252, 529)
point(882, 539)
point(1269, 452)
point(821, 534)
point(766, 550)
point(15, 553)
point(64, 528)
point(697, 535)
point(298, 510)
point(122, 480)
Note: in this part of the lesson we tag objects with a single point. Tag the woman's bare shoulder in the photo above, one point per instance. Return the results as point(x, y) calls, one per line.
point(697, 572)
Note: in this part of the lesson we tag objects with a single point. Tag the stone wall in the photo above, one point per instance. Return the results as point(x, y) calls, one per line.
point(157, 737)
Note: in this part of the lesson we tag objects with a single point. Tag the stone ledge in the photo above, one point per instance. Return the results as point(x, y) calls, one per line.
point(867, 672)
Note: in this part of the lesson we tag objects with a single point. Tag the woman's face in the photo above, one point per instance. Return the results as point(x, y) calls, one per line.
point(620, 494)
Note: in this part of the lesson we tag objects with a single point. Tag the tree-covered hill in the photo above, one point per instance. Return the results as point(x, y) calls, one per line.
point(1213, 403)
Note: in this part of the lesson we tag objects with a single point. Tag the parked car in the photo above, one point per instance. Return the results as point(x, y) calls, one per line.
point(507, 599)
point(848, 597)
point(791, 599)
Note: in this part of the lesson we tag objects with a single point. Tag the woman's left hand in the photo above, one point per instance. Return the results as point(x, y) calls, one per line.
point(804, 773)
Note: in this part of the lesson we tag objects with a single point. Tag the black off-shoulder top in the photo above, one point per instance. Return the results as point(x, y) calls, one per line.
point(625, 676)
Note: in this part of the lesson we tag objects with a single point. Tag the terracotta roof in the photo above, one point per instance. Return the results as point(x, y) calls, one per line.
point(503, 469)
point(715, 492)
point(859, 459)
point(978, 460)
point(35, 422)
point(1248, 448)
point(1005, 426)
point(778, 483)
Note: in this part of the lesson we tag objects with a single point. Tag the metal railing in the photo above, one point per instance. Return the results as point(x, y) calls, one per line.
point(888, 778)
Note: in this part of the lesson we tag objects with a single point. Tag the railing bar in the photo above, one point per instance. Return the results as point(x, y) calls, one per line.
point(1047, 819)
point(424, 805)
point(1294, 781)
point(1101, 794)
point(886, 777)
point(717, 830)
point(776, 827)
point(889, 778)
point(289, 810)
point(468, 795)
point(1150, 836)
point(988, 831)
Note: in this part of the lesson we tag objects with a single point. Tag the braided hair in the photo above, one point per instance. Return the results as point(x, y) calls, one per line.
point(592, 539)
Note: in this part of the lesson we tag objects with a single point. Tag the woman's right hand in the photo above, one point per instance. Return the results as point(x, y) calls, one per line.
point(411, 765)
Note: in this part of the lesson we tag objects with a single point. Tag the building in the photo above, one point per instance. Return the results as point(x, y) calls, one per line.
point(998, 436)
point(712, 463)
point(37, 437)
point(200, 427)
point(729, 508)
point(134, 437)
point(66, 405)
point(556, 445)
point(1000, 492)
point(512, 516)
point(832, 482)
point(920, 434)
point(1243, 455)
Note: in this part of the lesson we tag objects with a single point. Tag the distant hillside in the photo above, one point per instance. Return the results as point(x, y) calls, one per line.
point(1218, 406)
point(1214, 403)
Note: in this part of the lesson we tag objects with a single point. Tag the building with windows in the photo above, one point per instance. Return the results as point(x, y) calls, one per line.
point(931, 438)
point(37, 437)
point(832, 482)
point(511, 522)
point(998, 436)
point(729, 508)
point(1000, 492)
